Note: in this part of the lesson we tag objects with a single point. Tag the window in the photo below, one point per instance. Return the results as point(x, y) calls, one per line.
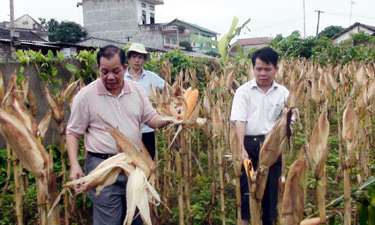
point(144, 21)
point(152, 18)
point(174, 42)
point(152, 8)
point(143, 5)
point(167, 40)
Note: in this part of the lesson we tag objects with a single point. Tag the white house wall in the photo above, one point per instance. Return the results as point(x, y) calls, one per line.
point(355, 30)
point(147, 9)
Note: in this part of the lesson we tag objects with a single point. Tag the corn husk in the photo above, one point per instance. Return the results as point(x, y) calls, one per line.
point(272, 148)
point(2, 88)
point(315, 93)
point(27, 148)
point(44, 124)
point(20, 111)
point(318, 151)
point(68, 91)
point(349, 132)
point(360, 76)
point(292, 206)
point(139, 157)
point(296, 94)
point(55, 107)
point(104, 174)
point(139, 192)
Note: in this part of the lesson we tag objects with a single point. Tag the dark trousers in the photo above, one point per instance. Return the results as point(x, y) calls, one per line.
point(269, 201)
point(109, 207)
point(148, 140)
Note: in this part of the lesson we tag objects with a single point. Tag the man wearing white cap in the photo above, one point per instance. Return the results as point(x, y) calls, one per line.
point(137, 56)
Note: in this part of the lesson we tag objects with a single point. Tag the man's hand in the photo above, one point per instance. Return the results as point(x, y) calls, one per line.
point(244, 154)
point(76, 173)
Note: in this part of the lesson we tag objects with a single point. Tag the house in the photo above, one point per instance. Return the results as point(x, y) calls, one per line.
point(353, 29)
point(201, 39)
point(249, 43)
point(122, 21)
point(30, 35)
point(28, 23)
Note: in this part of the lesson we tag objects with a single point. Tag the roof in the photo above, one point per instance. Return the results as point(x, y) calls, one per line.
point(253, 41)
point(193, 25)
point(24, 34)
point(34, 43)
point(372, 28)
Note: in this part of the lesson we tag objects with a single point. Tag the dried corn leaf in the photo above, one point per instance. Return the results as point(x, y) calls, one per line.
point(272, 148)
point(44, 124)
point(20, 111)
point(104, 174)
point(138, 193)
point(24, 88)
point(349, 131)
point(32, 102)
point(360, 76)
point(318, 150)
point(28, 149)
point(138, 157)
point(292, 206)
point(67, 91)
point(315, 92)
point(2, 88)
point(56, 109)
point(296, 94)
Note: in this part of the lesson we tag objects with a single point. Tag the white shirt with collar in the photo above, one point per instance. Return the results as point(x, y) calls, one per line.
point(258, 109)
point(146, 79)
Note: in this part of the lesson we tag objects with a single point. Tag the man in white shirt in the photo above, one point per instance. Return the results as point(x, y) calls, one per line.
point(256, 107)
point(137, 56)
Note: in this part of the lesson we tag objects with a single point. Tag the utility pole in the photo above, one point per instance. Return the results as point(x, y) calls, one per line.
point(351, 9)
point(317, 28)
point(304, 20)
point(12, 31)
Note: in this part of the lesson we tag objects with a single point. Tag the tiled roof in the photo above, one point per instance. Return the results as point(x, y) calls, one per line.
point(194, 25)
point(253, 41)
point(24, 34)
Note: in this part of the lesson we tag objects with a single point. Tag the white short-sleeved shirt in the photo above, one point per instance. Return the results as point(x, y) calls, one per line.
point(258, 109)
point(126, 112)
point(145, 80)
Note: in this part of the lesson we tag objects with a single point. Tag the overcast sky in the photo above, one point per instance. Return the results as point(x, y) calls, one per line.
point(268, 17)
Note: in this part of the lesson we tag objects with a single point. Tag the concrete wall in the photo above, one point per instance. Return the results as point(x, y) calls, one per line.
point(36, 86)
point(152, 39)
point(116, 20)
point(110, 19)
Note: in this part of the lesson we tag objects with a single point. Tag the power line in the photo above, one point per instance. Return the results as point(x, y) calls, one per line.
point(346, 15)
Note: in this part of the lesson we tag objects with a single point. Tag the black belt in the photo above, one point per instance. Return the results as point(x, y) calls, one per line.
point(100, 155)
point(255, 137)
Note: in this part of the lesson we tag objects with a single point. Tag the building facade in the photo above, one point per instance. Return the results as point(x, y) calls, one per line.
point(353, 29)
point(121, 21)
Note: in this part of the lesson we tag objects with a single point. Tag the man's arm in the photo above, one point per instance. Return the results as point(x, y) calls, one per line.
point(156, 122)
point(240, 131)
point(72, 144)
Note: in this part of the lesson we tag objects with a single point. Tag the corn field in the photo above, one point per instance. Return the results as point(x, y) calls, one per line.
point(328, 158)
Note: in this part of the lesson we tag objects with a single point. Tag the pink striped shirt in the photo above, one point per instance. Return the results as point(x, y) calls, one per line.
point(126, 112)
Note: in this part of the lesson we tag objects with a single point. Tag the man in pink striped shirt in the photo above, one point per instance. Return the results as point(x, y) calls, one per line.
point(125, 105)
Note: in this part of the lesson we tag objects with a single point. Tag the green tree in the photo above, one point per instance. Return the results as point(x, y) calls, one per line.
point(187, 46)
point(64, 32)
point(330, 31)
